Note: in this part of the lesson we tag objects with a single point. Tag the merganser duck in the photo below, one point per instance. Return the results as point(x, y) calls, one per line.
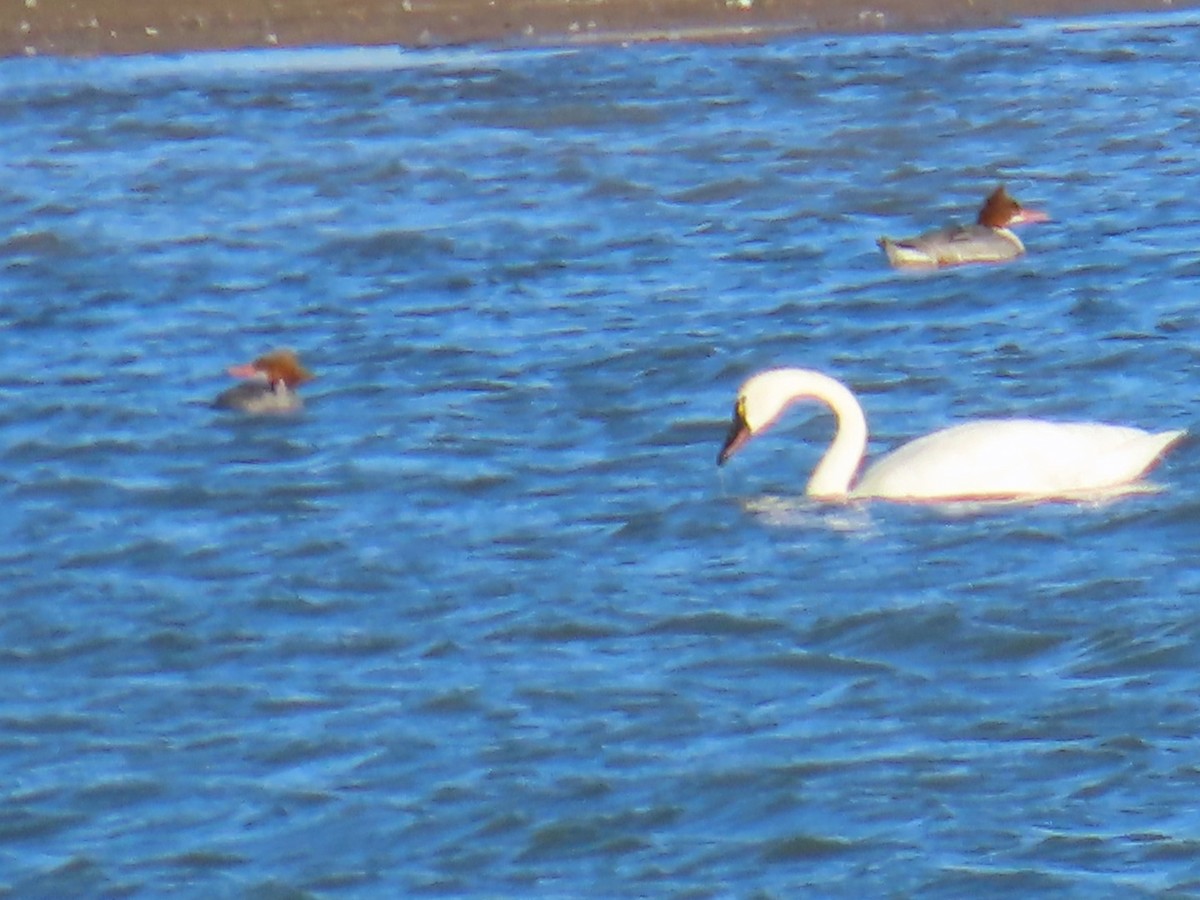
point(271, 388)
point(987, 459)
point(988, 240)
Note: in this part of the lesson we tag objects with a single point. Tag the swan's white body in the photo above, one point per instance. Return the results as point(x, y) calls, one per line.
point(988, 459)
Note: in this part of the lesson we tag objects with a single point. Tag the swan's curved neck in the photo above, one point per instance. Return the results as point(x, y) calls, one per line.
point(834, 474)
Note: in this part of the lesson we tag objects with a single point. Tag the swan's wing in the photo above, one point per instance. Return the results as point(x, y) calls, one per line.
point(1016, 458)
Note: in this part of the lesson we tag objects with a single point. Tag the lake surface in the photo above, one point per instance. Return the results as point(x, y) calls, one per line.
point(486, 620)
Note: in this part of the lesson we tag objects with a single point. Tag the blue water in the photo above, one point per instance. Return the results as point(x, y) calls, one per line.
point(487, 620)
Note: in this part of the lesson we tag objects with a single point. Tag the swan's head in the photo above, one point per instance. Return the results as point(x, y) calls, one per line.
point(760, 402)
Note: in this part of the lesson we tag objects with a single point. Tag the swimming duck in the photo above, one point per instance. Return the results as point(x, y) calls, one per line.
point(990, 239)
point(270, 387)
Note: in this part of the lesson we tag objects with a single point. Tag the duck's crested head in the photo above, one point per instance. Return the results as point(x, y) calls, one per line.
point(1000, 210)
point(278, 366)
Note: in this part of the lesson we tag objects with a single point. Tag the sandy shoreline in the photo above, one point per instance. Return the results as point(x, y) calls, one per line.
point(94, 27)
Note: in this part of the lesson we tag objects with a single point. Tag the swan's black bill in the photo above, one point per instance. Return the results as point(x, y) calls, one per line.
point(739, 433)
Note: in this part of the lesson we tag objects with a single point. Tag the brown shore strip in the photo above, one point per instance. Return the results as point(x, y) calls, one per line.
point(95, 27)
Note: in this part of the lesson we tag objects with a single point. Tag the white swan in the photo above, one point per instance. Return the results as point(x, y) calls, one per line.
point(988, 459)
